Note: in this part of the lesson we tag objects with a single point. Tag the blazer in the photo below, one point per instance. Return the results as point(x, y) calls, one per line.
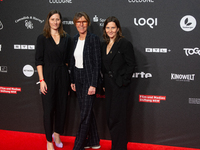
point(121, 64)
point(91, 58)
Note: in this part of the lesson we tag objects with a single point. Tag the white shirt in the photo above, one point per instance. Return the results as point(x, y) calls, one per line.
point(78, 53)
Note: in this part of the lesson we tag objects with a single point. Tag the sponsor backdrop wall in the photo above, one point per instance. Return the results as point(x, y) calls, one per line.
point(164, 103)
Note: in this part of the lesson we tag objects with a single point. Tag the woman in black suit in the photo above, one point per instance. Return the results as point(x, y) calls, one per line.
point(51, 59)
point(85, 68)
point(118, 64)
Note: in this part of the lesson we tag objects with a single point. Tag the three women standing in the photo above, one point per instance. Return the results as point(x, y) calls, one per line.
point(118, 63)
point(85, 70)
point(51, 59)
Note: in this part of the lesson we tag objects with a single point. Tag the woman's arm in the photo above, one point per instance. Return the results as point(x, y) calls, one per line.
point(130, 61)
point(39, 61)
point(43, 85)
point(96, 61)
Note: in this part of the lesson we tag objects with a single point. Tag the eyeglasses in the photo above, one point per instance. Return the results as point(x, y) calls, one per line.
point(81, 22)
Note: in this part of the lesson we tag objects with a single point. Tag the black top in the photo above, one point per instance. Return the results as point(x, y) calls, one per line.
point(47, 51)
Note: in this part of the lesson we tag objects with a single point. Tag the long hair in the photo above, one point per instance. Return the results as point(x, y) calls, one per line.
point(78, 15)
point(47, 28)
point(119, 33)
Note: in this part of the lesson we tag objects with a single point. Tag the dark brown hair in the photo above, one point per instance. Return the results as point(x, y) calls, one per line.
point(119, 33)
point(46, 29)
point(78, 15)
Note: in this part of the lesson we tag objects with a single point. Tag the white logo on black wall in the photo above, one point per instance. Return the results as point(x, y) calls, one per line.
point(3, 69)
point(151, 22)
point(157, 50)
point(188, 23)
point(142, 75)
point(68, 23)
point(1, 25)
point(192, 51)
point(24, 47)
point(101, 21)
point(59, 1)
point(28, 70)
point(194, 101)
point(183, 77)
point(28, 21)
point(0, 47)
point(141, 1)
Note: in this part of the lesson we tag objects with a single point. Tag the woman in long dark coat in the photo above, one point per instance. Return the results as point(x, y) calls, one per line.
point(118, 63)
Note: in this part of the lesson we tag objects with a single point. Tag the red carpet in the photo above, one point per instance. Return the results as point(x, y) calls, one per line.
point(12, 140)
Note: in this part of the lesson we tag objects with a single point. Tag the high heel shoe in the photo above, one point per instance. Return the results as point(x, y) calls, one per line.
point(60, 145)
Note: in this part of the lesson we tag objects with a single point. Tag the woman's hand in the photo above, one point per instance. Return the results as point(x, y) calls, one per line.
point(43, 87)
point(91, 90)
point(73, 87)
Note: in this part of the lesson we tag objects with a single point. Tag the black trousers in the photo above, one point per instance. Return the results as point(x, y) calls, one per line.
point(116, 104)
point(87, 134)
point(55, 101)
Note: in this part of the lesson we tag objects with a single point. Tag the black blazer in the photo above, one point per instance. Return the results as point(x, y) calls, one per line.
point(91, 58)
point(121, 63)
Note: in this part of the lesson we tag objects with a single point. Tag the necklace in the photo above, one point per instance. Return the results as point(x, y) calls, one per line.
point(109, 46)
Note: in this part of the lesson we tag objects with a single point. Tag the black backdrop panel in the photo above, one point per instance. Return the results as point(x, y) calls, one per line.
point(165, 35)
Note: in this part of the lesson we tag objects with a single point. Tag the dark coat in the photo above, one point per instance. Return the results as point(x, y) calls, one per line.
point(121, 63)
point(91, 58)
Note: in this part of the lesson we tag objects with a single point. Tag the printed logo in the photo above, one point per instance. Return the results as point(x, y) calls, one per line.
point(3, 69)
point(24, 47)
point(192, 51)
point(28, 70)
point(188, 23)
point(183, 77)
point(9, 90)
point(142, 75)
point(157, 50)
point(194, 101)
point(151, 98)
point(1, 25)
point(140, 1)
point(0, 47)
point(28, 21)
point(151, 22)
point(101, 21)
point(95, 18)
point(68, 23)
point(59, 1)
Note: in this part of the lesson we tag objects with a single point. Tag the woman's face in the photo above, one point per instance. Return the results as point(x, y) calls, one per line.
point(54, 21)
point(82, 25)
point(111, 30)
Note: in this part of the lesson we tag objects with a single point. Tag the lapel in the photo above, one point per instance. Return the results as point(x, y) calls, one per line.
point(104, 49)
point(75, 41)
point(114, 50)
point(111, 54)
point(87, 40)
